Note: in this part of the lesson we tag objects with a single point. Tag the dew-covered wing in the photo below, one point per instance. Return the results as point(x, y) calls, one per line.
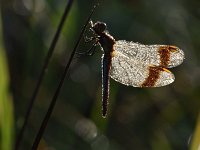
point(131, 72)
point(156, 55)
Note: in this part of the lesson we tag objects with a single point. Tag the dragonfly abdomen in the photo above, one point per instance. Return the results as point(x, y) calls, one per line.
point(106, 65)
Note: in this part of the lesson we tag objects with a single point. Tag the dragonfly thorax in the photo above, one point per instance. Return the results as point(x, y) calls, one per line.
point(105, 40)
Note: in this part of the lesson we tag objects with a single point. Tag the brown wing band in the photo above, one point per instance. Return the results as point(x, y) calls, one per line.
point(154, 75)
point(164, 55)
point(164, 52)
point(154, 71)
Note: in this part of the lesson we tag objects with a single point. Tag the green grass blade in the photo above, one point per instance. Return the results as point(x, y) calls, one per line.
point(6, 107)
point(195, 144)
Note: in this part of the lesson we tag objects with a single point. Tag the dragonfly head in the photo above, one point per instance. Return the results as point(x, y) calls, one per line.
point(99, 27)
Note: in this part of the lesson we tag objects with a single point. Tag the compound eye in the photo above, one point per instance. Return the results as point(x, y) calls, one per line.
point(99, 27)
point(102, 27)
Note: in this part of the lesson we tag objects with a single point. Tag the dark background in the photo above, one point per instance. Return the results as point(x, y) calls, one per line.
point(141, 119)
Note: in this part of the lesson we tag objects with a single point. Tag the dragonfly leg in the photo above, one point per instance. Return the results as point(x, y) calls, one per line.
point(90, 51)
point(89, 39)
point(92, 38)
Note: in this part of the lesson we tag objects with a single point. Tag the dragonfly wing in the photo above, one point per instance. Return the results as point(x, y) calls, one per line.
point(156, 55)
point(131, 72)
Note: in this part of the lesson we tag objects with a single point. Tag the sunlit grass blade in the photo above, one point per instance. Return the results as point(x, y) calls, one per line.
point(195, 143)
point(6, 107)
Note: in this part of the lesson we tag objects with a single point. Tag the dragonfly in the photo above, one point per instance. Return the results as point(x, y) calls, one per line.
point(132, 63)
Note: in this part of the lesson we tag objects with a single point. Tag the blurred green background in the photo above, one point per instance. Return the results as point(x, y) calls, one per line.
point(142, 119)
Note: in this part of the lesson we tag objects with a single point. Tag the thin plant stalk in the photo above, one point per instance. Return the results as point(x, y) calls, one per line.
point(54, 99)
point(43, 71)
